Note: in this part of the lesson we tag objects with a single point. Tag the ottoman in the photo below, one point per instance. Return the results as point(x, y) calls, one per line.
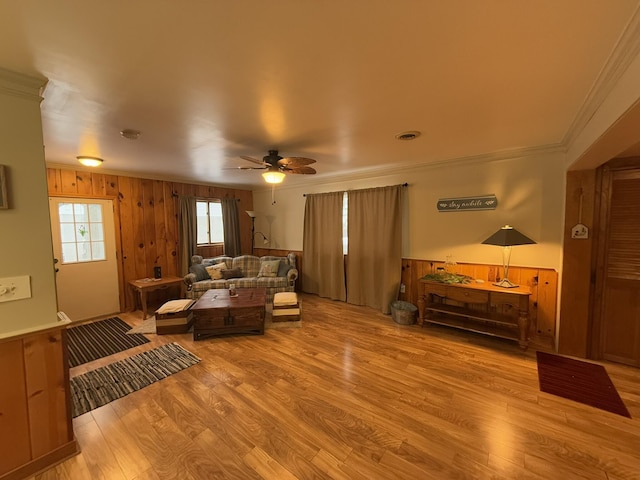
point(174, 316)
point(286, 307)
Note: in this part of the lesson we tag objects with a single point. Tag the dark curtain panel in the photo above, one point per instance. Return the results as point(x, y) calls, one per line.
point(231, 225)
point(322, 245)
point(374, 261)
point(188, 232)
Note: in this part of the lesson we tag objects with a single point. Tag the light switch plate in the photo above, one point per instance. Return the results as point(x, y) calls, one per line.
point(15, 288)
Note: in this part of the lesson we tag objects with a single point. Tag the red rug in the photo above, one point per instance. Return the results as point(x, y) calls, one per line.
point(582, 382)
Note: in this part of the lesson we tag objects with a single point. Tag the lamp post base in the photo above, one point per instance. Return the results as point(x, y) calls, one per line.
point(505, 283)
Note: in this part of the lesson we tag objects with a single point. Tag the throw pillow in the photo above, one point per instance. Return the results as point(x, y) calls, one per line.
point(199, 271)
point(231, 273)
point(215, 271)
point(283, 269)
point(269, 268)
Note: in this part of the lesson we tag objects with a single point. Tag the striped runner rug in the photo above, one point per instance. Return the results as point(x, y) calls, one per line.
point(95, 340)
point(105, 384)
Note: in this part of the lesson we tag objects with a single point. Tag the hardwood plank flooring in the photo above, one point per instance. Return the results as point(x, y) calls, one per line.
point(353, 395)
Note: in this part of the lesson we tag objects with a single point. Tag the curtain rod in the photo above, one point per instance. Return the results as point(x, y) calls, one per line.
point(402, 185)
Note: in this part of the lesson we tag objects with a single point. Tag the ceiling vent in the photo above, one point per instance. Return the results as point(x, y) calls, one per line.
point(412, 135)
point(130, 133)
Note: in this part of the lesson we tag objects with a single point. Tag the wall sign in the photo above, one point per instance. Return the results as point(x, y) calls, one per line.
point(461, 204)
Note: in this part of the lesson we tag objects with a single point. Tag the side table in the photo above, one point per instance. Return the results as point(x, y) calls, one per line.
point(146, 285)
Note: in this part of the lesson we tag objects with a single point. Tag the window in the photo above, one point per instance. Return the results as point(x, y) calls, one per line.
point(209, 222)
point(81, 232)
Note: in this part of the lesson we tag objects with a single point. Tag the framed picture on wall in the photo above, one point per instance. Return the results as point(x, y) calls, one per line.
point(4, 202)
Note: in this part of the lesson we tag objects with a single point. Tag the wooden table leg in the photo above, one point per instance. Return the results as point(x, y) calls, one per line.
point(421, 310)
point(523, 329)
point(143, 301)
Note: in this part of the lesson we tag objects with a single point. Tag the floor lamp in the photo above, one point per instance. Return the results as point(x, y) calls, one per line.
point(265, 240)
point(252, 214)
point(507, 237)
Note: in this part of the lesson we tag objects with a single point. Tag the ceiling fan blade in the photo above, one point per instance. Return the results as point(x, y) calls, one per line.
point(244, 168)
point(295, 161)
point(253, 160)
point(299, 170)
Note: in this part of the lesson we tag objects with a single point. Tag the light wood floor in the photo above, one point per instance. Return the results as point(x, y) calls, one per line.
point(352, 395)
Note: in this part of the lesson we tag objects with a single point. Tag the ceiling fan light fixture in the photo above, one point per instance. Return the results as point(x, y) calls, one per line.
point(90, 161)
point(273, 176)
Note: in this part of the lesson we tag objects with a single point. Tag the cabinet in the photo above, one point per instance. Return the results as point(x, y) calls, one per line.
point(36, 431)
point(477, 307)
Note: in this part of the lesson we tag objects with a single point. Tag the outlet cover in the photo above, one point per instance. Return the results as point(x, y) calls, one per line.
point(15, 288)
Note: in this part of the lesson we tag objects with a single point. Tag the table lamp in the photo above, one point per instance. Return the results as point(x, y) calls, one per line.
point(506, 237)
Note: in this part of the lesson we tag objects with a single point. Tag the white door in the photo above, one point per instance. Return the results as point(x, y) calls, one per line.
point(84, 246)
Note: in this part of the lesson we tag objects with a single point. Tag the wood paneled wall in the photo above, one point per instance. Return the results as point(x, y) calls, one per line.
point(35, 408)
point(542, 281)
point(146, 214)
point(577, 277)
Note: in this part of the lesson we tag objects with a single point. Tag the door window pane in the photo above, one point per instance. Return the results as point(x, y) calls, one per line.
point(95, 213)
point(81, 232)
point(80, 212)
point(84, 251)
point(69, 253)
point(97, 232)
point(67, 232)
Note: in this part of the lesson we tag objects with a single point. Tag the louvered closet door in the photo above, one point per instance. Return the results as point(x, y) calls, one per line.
point(620, 309)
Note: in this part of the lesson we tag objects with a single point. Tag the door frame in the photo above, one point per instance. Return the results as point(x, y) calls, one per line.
point(118, 232)
point(604, 179)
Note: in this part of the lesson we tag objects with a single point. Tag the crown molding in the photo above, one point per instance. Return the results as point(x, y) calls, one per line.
point(623, 54)
point(146, 176)
point(20, 85)
point(410, 168)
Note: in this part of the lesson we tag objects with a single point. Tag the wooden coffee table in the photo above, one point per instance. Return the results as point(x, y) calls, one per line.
point(217, 313)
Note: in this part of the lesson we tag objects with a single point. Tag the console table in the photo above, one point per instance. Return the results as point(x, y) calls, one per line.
point(144, 286)
point(477, 307)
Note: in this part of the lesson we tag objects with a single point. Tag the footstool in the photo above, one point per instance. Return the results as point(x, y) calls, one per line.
point(174, 316)
point(286, 307)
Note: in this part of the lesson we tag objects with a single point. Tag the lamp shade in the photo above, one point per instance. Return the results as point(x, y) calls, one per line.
point(251, 213)
point(90, 161)
point(273, 176)
point(508, 236)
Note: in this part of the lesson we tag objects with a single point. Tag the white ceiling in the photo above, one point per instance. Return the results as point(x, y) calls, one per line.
point(208, 81)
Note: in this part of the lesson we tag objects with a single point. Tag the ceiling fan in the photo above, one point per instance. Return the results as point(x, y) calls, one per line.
point(276, 166)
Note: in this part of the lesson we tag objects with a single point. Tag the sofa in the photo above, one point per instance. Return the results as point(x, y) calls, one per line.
point(276, 274)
